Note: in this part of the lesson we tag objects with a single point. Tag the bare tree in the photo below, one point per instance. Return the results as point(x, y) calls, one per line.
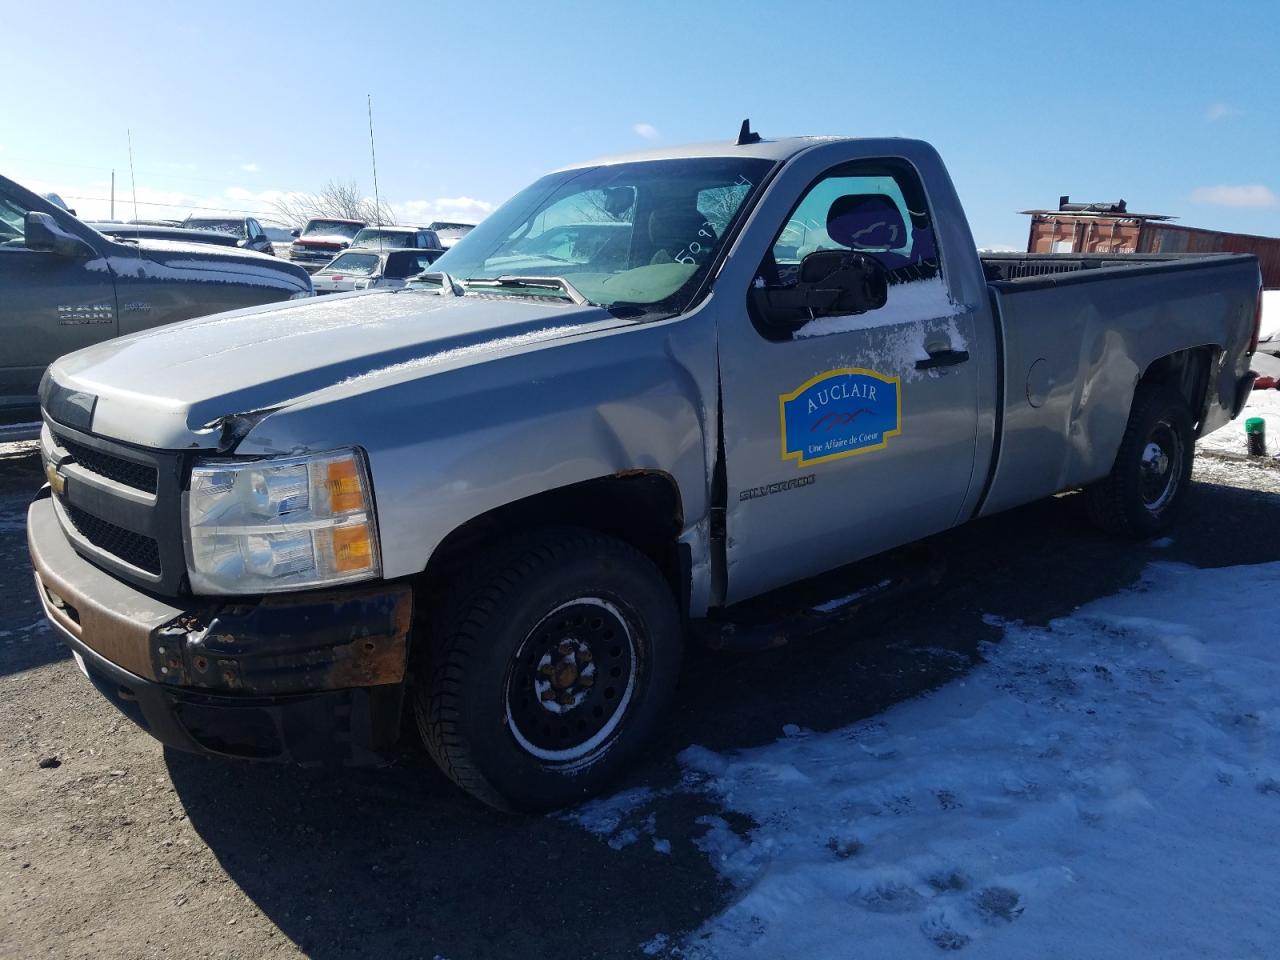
point(341, 199)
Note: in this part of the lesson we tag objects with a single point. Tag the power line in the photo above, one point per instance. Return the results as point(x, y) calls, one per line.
point(176, 206)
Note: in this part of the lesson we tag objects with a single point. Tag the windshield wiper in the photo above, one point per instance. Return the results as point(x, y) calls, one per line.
point(570, 292)
point(449, 287)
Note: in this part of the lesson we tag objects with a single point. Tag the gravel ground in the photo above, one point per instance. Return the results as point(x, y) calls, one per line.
point(124, 850)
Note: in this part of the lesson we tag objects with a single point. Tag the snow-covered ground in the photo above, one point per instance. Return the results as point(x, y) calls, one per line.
point(1106, 786)
point(1231, 438)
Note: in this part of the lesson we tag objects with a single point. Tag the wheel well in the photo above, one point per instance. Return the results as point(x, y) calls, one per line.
point(1186, 371)
point(640, 507)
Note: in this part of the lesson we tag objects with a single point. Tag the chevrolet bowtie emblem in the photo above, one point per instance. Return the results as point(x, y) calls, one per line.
point(57, 481)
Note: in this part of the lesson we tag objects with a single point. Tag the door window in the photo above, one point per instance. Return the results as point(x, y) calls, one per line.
point(13, 231)
point(875, 211)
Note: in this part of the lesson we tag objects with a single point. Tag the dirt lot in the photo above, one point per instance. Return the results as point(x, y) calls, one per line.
point(123, 850)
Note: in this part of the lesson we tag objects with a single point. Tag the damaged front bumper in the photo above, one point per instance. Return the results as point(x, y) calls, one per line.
point(312, 677)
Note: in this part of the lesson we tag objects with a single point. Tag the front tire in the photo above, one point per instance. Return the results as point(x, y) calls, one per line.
point(545, 681)
point(1147, 486)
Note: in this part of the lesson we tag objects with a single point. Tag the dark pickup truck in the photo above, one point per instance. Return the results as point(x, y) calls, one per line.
point(64, 286)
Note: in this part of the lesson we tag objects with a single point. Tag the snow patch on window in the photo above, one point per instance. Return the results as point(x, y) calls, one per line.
point(893, 337)
point(907, 301)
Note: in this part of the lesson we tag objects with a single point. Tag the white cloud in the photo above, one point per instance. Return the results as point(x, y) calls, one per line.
point(647, 130)
point(1220, 111)
point(465, 209)
point(249, 167)
point(1244, 195)
point(91, 200)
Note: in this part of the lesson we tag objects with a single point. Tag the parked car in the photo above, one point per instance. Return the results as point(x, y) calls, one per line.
point(322, 239)
point(64, 285)
point(281, 238)
point(1270, 334)
point(370, 269)
point(596, 243)
point(505, 497)
point(148, 231)
point(450, 231)
point(247, 231)
point(402, 238)
point(58, 201)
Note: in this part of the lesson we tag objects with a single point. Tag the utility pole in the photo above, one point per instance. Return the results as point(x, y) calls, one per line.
point(113, 196)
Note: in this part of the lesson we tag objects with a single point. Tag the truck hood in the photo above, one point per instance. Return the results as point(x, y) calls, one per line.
point(205, 261)
point(171, 387)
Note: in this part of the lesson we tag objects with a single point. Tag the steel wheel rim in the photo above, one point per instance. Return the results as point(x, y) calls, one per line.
point(563, 707)
point(1160, 467)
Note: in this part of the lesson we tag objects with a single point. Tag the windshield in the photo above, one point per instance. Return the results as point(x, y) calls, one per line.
point(340, 228)
point(235, 227)
point(372, 236)
point(641, 234)
point(354, 264)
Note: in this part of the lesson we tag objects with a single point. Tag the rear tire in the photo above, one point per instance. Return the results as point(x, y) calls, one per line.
point(545, 681)
point(1147, 486)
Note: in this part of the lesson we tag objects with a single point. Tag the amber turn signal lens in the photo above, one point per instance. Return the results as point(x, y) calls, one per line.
point(343, 484)
point(352, 549)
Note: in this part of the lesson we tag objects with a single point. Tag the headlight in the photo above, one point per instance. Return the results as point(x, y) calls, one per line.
point(302, 294)
point(361, 285)
point(259, 526)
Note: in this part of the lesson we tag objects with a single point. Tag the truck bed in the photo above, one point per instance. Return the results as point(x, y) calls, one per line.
point(1076, 333)
point(1025, 266)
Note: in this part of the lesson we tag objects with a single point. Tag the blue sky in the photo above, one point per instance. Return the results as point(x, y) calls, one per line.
point(1172, 106)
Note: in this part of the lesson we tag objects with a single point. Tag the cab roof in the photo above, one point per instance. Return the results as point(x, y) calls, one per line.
point(777, 149)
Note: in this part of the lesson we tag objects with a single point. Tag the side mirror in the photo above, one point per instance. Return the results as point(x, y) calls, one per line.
point(44, 234)
point(295, 233)
point(831, 283)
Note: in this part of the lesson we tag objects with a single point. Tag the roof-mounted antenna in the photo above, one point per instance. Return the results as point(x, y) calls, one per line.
point(746, 135)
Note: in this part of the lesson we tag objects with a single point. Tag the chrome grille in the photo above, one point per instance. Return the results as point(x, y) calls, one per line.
point(139, 476)
point(119, 504)
point(134, 549)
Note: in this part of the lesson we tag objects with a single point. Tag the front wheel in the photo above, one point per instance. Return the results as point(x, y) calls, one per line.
point(1148, 484)
point(544, 682)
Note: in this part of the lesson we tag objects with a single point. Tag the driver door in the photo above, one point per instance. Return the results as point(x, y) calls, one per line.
point(845, 435)
point(49, 305)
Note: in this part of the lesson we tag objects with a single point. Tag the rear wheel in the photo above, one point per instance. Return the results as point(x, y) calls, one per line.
point(545, 681)
point(1148, 484)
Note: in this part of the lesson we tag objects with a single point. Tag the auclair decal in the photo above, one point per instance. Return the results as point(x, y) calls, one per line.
point(840, 413)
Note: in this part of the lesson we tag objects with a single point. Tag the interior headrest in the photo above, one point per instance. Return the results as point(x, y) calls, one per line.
point(866, 221)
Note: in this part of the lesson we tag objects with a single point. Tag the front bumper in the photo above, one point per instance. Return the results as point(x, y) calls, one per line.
point(313, 677)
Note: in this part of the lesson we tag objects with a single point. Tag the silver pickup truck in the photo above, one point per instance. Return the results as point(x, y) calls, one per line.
point(503, 496)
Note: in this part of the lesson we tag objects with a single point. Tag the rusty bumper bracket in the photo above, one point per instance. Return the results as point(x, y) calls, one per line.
point(290, 643)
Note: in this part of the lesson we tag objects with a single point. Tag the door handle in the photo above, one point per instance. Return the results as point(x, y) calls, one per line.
point(943, 358)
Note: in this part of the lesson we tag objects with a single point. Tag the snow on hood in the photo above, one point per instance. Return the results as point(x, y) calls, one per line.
point(186, 260)
point(164, 387)
point(323, 238)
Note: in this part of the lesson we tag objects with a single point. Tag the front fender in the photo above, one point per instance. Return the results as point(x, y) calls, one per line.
point(447, 446)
